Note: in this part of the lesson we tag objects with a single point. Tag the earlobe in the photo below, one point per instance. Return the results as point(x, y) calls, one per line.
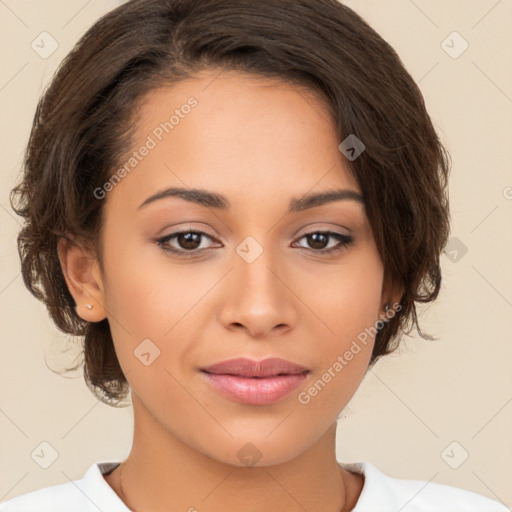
point(392, 303)
point(391, 297)
point(81, 272)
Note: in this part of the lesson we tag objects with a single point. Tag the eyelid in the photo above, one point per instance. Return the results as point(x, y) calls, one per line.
point(183, 227)
point(323, 229)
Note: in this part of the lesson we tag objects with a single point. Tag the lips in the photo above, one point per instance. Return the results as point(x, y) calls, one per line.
point(243, 367)
point(255, 382)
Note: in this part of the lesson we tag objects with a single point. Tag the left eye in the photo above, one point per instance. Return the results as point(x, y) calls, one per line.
point(319, 241)
point(190, 242)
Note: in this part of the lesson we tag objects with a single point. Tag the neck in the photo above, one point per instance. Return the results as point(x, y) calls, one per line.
point(169, 475)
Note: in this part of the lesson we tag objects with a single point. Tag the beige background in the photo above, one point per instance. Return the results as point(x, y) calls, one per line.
point(415, 404)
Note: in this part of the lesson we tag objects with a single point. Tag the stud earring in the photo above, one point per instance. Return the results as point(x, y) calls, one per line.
point(88, 306)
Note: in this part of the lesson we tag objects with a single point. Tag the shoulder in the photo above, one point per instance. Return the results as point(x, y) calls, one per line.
point(43, 499)
point(383, 492)
point(89, 493)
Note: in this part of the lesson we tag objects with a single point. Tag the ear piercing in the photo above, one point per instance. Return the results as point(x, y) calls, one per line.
point(88, 306)
point(383, 322)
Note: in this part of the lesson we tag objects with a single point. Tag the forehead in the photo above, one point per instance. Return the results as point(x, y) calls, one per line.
point(247, 136)
point(239, 106)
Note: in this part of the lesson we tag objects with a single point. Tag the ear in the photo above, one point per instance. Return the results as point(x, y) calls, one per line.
point(391, 294)
point(82, 274)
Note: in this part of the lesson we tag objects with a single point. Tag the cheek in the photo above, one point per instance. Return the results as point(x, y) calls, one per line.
point(349, 301)
point(349, 306)
point(159, 308)
point(342, 361)
point(147, 294)
point(341, 338)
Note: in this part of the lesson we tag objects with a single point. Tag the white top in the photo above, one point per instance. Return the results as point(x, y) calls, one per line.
point(380, 493)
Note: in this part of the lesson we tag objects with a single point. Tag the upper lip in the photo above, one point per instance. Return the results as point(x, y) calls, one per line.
point(245, 367)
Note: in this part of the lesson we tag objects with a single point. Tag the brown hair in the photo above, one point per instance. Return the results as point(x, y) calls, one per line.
point(82, 128)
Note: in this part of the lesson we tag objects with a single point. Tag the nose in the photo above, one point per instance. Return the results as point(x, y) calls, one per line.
point(258, 299)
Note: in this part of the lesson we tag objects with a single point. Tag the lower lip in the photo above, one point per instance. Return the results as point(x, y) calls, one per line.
point(255, 391)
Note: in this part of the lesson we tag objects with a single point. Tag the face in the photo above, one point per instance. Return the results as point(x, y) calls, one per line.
point(255, 272)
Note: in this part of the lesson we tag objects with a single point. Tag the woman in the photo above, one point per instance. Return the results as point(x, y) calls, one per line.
point(237, 204)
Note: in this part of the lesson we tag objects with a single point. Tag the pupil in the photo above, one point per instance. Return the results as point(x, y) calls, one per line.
point(317, 240)
point(189, 240)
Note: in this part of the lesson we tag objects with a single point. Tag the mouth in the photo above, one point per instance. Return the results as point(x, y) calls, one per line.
point(248, 368)
point(254, 376)
point(255, 382)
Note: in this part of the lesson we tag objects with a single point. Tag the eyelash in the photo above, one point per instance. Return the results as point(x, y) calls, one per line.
point(344, 242)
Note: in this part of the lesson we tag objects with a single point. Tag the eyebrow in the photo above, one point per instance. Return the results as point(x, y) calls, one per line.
point(215, 200)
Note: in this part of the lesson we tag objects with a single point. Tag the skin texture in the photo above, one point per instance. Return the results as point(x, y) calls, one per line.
point(260, 143)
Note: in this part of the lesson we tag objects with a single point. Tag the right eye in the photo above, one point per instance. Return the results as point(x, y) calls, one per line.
point(185, 242)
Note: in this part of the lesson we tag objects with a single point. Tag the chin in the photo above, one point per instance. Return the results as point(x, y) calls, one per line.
point(259, 450)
